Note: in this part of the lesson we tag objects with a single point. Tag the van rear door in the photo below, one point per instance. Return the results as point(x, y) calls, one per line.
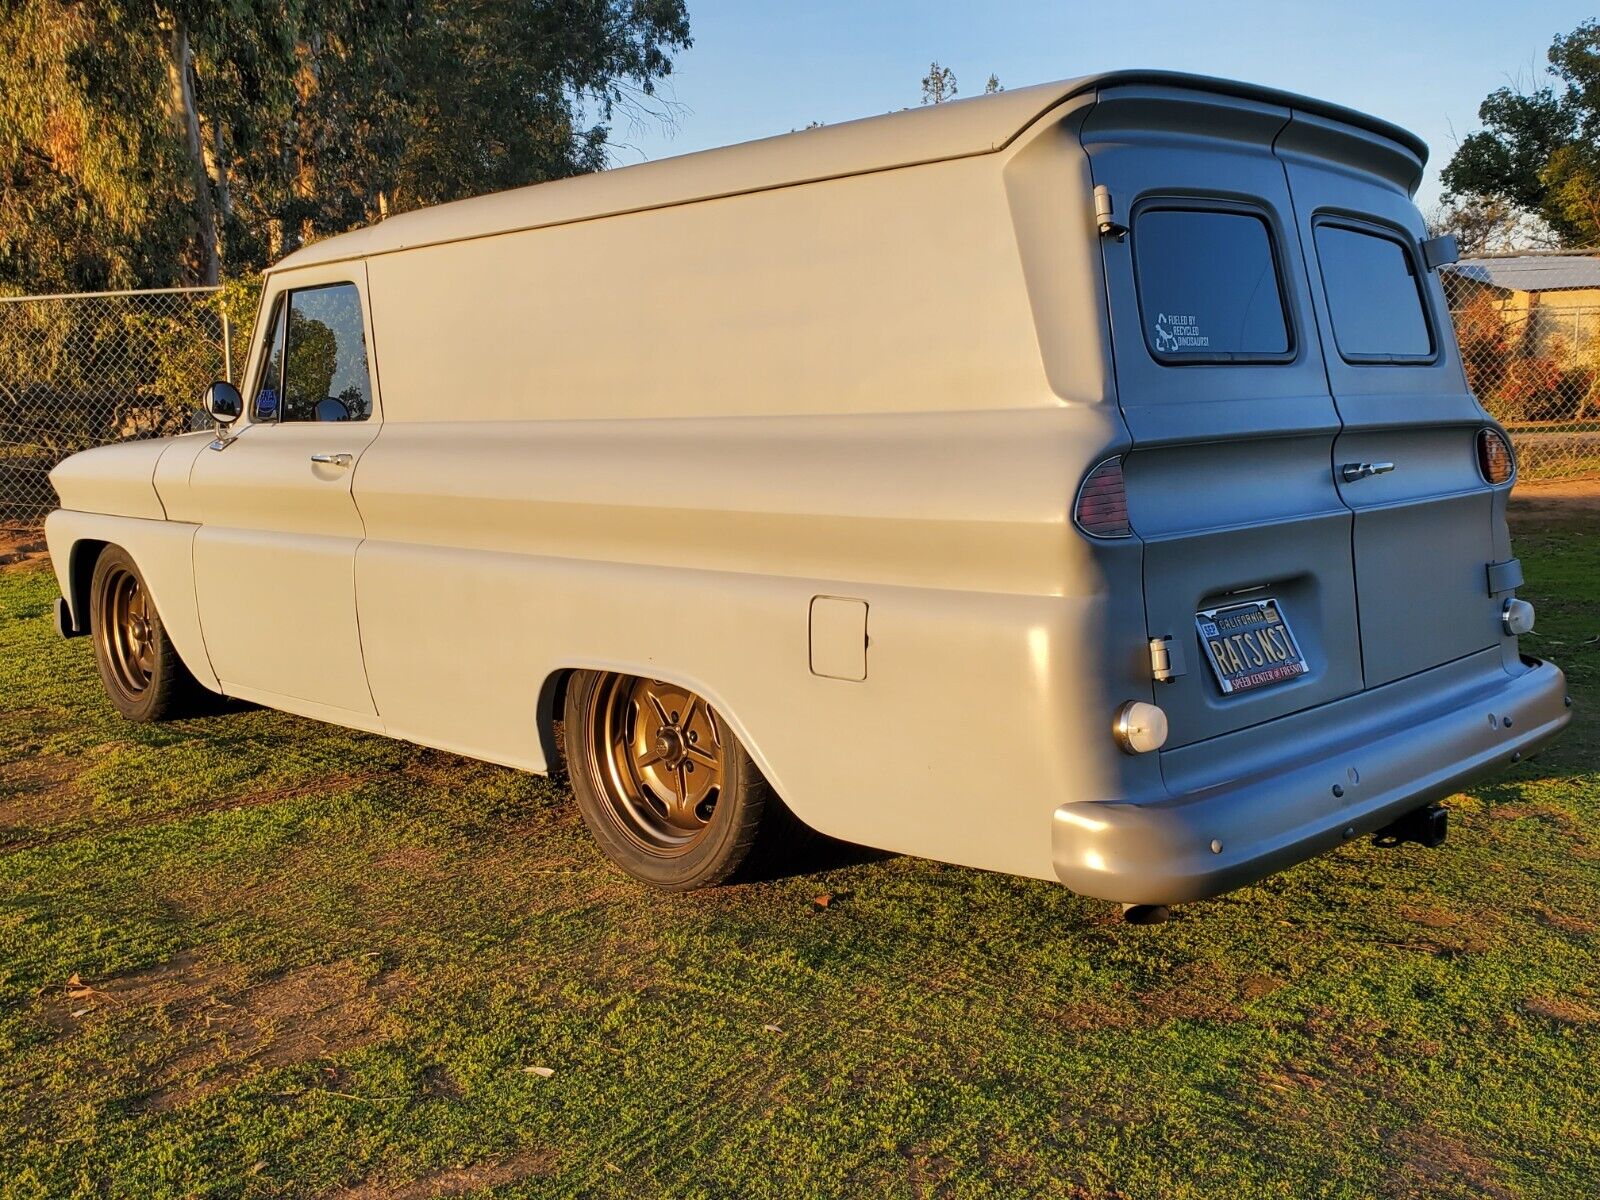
point(1424, 530)
point(1219, 371)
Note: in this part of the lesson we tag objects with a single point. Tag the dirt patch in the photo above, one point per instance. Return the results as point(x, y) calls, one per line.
point(1555, 499)
point(1429, 1163)
point(35, 792)
point(1194, 992)
point(227, 1028)
point(1562, 1009)
point(420, 862)
point(1431, 918)
point(18, 547)
point(441, 769)
point(316, 1012)
point(326, 783)
point(1549, 814)
point(1566, 922)
point(176, 986)
point(454, 1181)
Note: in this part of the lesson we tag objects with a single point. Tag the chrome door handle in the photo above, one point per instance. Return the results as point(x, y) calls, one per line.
point(333, 460)
point(1354, 471)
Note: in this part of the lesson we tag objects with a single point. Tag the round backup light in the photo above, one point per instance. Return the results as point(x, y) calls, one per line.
point(1139, 727)
point(1102, 507)
point(1495, 459)
point(1517, 618)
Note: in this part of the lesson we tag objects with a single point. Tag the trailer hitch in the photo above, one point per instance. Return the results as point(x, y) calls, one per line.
point(1426, 826)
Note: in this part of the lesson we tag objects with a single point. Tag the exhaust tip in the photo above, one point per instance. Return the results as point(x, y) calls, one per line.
point(1146, 914)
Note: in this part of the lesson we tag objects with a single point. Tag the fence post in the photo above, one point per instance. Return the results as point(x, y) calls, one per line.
point(227, 349)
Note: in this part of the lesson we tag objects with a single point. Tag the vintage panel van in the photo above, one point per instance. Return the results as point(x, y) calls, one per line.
point(1078, 482)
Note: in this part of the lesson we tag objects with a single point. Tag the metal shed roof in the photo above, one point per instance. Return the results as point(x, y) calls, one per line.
point(1533, 272)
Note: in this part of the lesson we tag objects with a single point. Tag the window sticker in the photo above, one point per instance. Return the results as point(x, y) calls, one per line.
point(1179, 331)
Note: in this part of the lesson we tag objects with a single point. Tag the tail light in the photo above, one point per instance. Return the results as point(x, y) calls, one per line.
point(1102, 507)
point(1495, 459)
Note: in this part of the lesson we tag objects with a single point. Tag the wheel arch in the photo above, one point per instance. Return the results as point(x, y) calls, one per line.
point(81, 560)
point(163, 551)
point(552, 700)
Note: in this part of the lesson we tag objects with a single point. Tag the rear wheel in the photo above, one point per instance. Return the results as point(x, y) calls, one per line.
point(662, 782)
point(138, 663)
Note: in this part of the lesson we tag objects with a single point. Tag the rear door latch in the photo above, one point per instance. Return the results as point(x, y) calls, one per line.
point(1351, 472)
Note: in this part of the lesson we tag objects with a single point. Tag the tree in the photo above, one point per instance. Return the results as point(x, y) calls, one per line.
point(173, 141)
point(1489, 225)
point(993, 85)
point(1538, 149)
point(94, 192)
point(938, 85)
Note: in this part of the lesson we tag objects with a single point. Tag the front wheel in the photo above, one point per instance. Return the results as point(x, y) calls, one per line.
point(662, 782)
point(138, 663)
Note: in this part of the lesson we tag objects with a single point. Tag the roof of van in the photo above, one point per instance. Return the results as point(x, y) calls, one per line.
point(956, 129)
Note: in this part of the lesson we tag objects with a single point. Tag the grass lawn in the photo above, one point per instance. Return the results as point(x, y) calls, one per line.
point(256, 956)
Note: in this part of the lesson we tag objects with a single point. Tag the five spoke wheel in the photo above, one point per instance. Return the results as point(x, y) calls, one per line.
point(126, 632)
point(663, 783)
point(144, 676)
point(658, 749)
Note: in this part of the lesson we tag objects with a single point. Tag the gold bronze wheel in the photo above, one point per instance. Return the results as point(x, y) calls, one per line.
point(126, 632)
point(656, 751)
point(144, 676)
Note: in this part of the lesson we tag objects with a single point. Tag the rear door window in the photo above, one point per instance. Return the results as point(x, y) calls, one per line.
point(1209, 288)
point(1374, 295)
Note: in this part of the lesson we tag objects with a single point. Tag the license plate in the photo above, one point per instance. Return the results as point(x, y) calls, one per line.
point(1249, 645)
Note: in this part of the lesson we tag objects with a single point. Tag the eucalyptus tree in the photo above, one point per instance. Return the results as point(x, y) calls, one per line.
point(174, 141)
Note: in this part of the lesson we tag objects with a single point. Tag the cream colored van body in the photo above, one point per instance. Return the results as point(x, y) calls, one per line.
point(799, 426)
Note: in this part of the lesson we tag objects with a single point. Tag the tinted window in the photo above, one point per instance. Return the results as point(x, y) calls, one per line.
point(1208, 286)
point(1373, 295)
point(325, 364)
point(270, 382)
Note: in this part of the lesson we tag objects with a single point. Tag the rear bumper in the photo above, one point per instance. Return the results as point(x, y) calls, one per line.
point(1243, 806)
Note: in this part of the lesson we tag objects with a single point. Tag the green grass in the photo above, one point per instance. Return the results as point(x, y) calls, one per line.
point(318, 961)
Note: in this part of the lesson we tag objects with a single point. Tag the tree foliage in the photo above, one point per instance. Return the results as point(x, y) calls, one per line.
point(172, 141)
point(938, 85)
point(1537, 150)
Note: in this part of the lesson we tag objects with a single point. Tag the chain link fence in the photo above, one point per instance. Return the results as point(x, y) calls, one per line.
point(81, 370)
point(1537, 369)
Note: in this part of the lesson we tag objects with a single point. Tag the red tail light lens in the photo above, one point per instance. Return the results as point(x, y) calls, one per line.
point(1102, 507)
point(1494, 456)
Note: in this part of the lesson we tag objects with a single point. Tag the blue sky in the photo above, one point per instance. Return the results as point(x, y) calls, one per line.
point(761, 68)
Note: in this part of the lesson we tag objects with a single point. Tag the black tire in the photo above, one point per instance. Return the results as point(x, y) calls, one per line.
point(139, 665)
point(630, 826)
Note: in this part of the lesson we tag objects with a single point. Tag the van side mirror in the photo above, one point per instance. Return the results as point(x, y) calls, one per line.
point(222, 402)
point(332, 408)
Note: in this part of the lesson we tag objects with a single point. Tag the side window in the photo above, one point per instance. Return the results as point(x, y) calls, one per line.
point(1208, 286)
point(269, 384)
point(325, 367)
point(316, 358)
point(1374, 295)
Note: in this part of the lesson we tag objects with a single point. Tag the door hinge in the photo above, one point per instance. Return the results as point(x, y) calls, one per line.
point(1105, 214)
point(1504, 576)
point(1440, 251)
point(1166, 659)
